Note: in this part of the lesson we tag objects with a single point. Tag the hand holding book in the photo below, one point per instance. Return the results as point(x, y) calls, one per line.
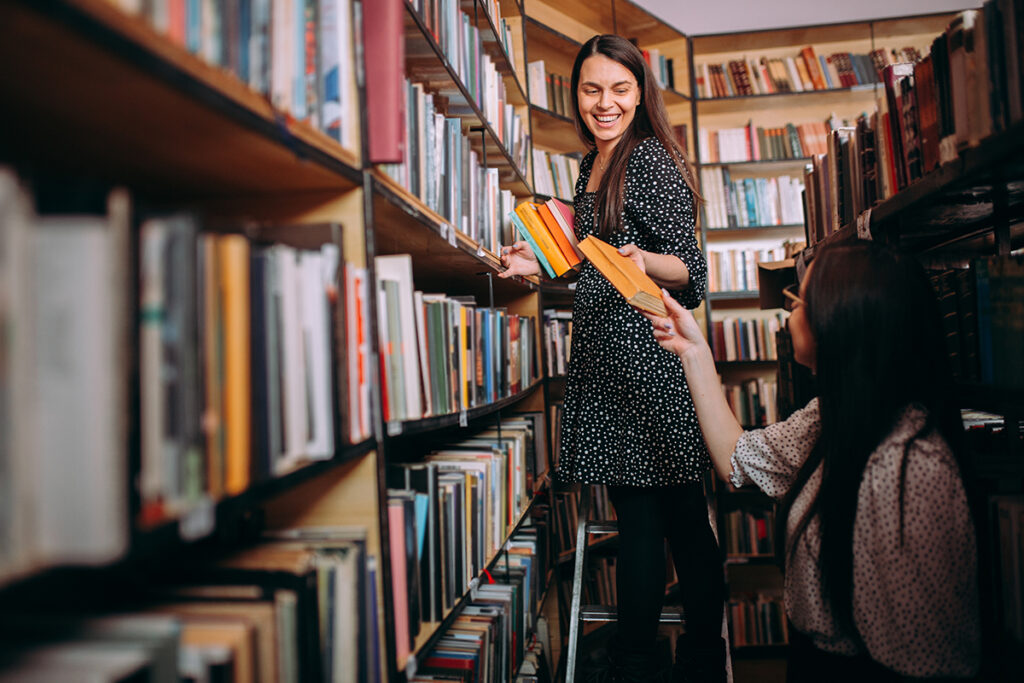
point(519, 259)
point(625, 275)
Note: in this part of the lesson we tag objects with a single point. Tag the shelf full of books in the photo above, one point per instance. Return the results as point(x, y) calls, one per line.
point(445, 53)
point(130, 80)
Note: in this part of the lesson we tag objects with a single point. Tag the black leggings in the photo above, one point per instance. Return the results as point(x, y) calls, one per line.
point(647, 516)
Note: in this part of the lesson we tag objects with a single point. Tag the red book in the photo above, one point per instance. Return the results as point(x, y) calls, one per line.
point(384, 50)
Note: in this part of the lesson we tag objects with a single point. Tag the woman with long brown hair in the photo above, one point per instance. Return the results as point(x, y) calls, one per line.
point(629, 422)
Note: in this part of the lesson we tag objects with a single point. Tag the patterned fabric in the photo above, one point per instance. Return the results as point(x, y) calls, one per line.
point(915, 604)
point(629, 419)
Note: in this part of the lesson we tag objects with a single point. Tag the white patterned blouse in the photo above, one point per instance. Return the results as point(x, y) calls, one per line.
point(915, 604)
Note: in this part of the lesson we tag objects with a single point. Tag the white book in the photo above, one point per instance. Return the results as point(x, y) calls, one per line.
point(293, 362)
point(398, 267)
point(16, 379)
point(317, 335)
point(79, 393)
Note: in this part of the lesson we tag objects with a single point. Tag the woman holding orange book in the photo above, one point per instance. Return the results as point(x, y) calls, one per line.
point(629, 422)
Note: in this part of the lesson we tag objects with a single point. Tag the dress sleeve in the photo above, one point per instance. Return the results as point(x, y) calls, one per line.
point(659, 204)
point(915, 603)
point(771, 457)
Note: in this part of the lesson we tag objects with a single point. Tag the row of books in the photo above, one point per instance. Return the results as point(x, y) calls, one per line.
point(806, 71)
point(982, 311)
point(750, 143)
point(442, 354)
point(462, 43)
point(253, 361)
point(749, 532)
point(555, 175)
point(300, 606)
point(549, 90)
point(758, 620)
point(488, 640)
point(754, 401)
point(492, 10)
point(452, 514)
point(244, 339)
point(736, 339)
point(735, 270)
point(557, 340)
point(299, 53)
point(745, 202)
point(965, 89)
point(442, 169)
point(662, 67)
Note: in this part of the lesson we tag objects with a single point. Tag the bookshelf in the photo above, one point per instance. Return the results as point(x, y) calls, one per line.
point(754, 188)
point(185, 133)
point(958, 218)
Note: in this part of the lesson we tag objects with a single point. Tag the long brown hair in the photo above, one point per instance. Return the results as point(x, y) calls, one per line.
point(650, 119)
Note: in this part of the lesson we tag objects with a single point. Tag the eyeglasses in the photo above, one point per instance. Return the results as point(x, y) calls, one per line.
point(792, 298)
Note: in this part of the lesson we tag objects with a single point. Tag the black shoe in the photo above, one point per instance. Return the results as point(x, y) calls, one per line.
point(631, 665)
point(699, 660)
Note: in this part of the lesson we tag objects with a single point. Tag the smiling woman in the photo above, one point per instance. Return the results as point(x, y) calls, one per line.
point(629, 421)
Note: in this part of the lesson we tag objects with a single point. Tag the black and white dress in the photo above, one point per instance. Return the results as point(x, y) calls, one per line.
point(629, 419)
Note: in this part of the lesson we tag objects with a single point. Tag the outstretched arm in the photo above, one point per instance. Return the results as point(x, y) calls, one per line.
point(680, 334)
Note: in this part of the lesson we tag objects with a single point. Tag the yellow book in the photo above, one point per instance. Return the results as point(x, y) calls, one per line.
point(638, 289)
point(233, 267)
point(528, 213)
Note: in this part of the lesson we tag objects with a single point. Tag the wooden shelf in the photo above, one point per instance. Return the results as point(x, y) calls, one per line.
point(770, 39)
point(426, 63)
point(788, 227)
point(733, 296)
point(710, 106)
point(433, 423)
point(166, 538)
point(102, 93)
point(798, 162)
point(444, 259)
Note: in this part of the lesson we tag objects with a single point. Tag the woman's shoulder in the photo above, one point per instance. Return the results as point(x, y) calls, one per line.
point(928, 453)
point(649, 150)
point(650, 160)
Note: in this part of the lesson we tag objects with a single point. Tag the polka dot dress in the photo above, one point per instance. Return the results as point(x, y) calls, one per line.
point(915, 602)
point(628, 415)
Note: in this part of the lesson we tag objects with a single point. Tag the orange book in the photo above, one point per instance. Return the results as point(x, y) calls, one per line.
point(233, 269)
point(560, 238)
point(814, 68)
point(638, 289)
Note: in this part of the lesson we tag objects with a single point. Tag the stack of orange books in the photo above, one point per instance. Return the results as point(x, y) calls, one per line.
point(548, 229)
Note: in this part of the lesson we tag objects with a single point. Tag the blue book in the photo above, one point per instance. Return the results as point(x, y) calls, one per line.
point(533, 244)
point(824, 71)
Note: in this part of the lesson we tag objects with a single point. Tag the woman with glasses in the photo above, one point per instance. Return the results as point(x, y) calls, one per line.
point(881, 579)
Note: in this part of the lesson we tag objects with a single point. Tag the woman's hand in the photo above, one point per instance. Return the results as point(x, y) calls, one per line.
point(635, 254)
point(519, 259)
point(679, 332)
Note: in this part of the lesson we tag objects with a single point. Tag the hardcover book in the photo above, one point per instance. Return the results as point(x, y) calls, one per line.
point(638, 289)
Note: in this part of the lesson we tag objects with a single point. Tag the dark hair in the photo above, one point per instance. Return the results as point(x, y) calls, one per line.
point(650, 119)
point(880, 348)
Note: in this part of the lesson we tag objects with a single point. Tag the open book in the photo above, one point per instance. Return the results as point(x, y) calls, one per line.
point(626, 276)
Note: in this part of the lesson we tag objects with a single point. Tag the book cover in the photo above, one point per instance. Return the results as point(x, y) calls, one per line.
point(638, 289)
